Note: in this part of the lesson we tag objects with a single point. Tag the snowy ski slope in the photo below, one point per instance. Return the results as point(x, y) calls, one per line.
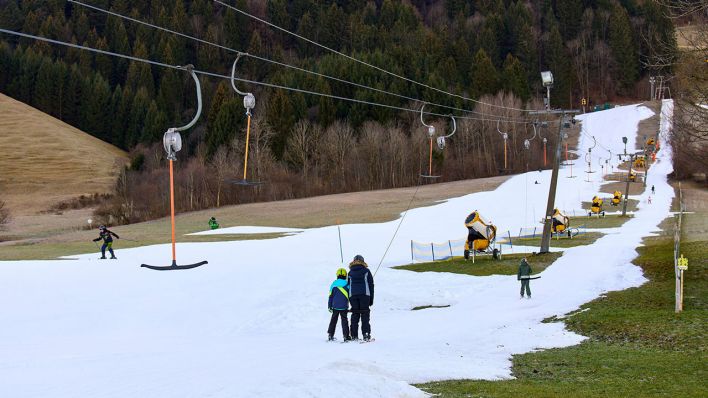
point(253, 321)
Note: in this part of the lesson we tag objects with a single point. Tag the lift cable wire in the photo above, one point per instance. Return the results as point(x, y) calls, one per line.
point(281, 64)
point(366, 63)
point(264, 84)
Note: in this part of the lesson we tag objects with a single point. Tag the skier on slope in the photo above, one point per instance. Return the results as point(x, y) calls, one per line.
point(361, 296)
point(213, 224)
point(523, 275)
point(338, 304)
point(107, 237)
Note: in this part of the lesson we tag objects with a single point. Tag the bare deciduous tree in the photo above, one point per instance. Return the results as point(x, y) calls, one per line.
point(4, 214)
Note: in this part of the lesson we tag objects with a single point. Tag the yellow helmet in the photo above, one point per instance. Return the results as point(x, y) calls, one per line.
point(341, 272)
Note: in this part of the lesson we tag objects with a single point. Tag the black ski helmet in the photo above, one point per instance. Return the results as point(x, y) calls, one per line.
point(359, 257)
point(102, 227)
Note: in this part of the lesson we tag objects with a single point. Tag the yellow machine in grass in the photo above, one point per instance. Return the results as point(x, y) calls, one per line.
point(640, 162)
point(480, 236)
point(632, 176)
point(617, 198)
point(561, 222)
point(596, 207)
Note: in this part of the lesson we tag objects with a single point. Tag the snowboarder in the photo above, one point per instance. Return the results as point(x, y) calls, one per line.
point(339, 305)
point(107, 236)
point(523, 276)
point(213, 224)
point(652, 190)
point(361, 296)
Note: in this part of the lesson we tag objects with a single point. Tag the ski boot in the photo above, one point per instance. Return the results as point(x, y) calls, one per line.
point(330, 337)
point(102, 258)
point(347, 339)
point(367, 337)
point(114, 258)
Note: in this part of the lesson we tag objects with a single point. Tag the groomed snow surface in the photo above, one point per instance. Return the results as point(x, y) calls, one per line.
point(252, 323)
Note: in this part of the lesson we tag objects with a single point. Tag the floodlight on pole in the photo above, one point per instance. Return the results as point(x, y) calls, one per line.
point(547, 79)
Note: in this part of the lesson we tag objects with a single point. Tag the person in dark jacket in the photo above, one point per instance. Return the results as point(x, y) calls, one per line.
point(361, 296)
point(523, 276)
point(339, 304)
point(107, 236)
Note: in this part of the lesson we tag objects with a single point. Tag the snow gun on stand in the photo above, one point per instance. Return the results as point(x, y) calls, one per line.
point(596, 207)
point(632, 176)
point(640, 162)
point(617, 198)
point(480, 237)
point(561, 224)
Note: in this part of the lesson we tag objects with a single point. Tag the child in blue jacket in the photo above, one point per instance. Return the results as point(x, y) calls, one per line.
point(339, 304)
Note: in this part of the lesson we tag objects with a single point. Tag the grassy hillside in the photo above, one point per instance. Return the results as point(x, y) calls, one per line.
point(44, 160)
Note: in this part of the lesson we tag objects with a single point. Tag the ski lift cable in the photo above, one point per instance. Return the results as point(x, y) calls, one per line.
point(364, 62)
point(405, 213)
point(264, 84)
point(278, 63)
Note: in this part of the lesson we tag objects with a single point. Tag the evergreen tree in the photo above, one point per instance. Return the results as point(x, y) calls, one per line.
point(11, 17)
point(570, 13)
point(44, 86)
point(557, 61)
point(236, 27)
point(139, 73)
point(485, 78)
point(226, 126)
point(514, 78)
point(138, 110)
point(281, 116)
point(326, 111)
point(623, 49)
point(155, 124)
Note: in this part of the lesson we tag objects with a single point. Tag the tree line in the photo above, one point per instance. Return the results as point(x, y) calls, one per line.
point(480, 49)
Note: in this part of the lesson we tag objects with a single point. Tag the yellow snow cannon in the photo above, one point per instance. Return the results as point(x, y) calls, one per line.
point(617, 198)
point(561, 222)
point(640, 162)
point(596, 207)
point(480, 236)
point(651, 141)
point(632, 176)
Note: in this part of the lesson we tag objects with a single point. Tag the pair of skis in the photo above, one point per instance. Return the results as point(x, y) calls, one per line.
point(360, 341)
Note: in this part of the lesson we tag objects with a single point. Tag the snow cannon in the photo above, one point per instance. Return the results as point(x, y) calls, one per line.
point(596, 207)
point(617, 198)
point(651, 141)
point(640, 162)
point(561, 222)
point(632, 176)
point(481, 235)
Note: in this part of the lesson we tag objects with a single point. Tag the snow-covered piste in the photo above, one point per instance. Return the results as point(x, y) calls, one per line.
point(252, 323)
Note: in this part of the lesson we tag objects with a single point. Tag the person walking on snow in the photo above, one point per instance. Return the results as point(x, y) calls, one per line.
point(107, 236)
point(361, 296)
point(652, 190)
point(339, 305)
point(523, 275)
